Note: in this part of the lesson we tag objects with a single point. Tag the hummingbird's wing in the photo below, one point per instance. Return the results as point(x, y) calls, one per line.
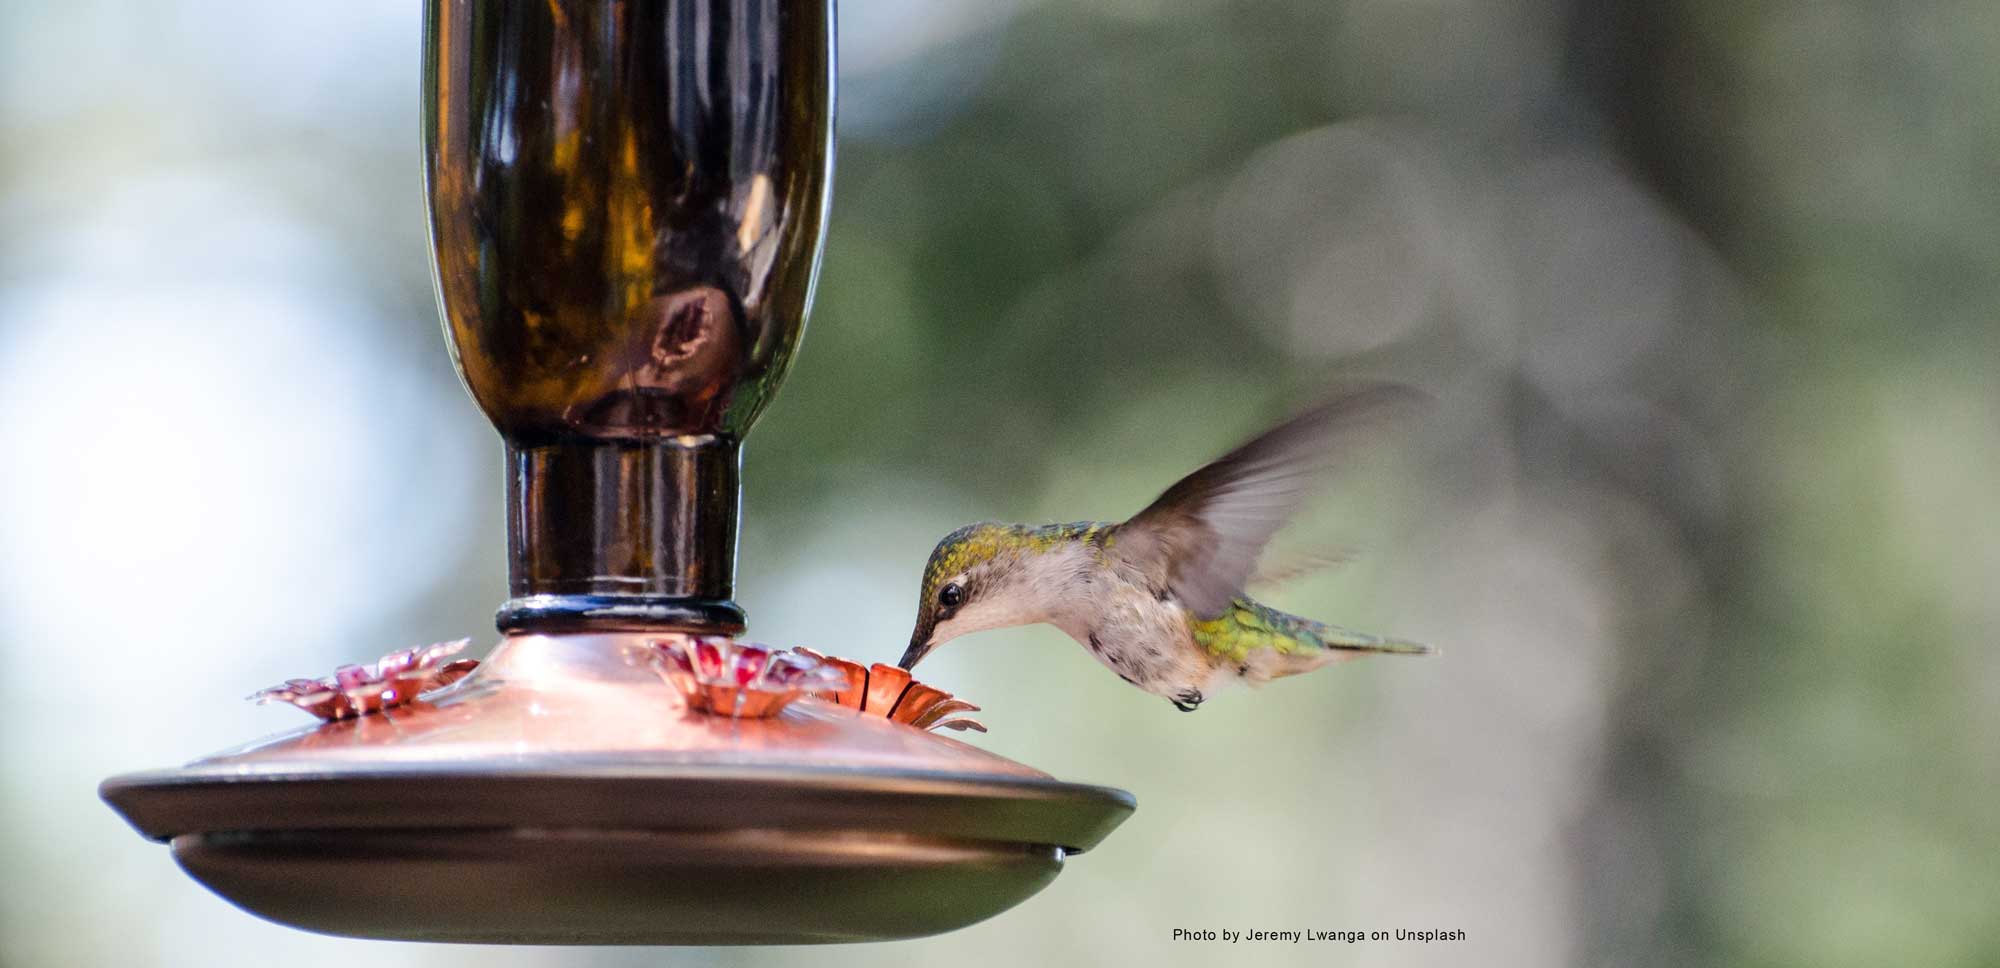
point(1292, 566)
point(1203, 536)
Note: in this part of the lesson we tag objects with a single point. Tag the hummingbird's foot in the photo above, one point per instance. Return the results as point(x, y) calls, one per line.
point(1187, 700)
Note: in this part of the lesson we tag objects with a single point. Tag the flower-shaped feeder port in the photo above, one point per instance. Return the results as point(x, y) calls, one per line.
point(356, 690)
point(722, 677)
point(887, 691)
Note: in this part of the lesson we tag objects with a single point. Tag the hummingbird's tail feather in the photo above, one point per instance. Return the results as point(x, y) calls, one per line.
point(1341, 640)
point(1336, 645)
point(1332, 641)
point(1265, 643)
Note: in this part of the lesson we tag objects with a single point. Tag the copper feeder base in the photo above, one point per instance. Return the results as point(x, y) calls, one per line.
point(563, 794)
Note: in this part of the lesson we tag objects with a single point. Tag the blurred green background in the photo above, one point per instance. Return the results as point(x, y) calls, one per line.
point(1705, 521)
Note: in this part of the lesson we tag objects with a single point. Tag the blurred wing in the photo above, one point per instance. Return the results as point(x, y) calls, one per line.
point(1204, 535)
point(1295, 565)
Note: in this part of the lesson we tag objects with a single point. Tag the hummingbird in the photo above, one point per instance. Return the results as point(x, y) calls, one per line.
point(1159, 599)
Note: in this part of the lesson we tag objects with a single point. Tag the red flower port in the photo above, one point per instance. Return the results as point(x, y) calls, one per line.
point(886, 691)
point(744, 680)
point(356, 690)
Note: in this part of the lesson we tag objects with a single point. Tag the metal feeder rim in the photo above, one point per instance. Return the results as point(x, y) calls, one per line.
point(564, 793)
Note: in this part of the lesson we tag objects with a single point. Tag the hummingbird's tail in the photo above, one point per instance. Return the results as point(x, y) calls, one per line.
point(1315, 636)
point(1271, 644)
point(1342, 640)
point(1337, 644)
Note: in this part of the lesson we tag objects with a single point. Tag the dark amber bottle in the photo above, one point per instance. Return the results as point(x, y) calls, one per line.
point(627, 205)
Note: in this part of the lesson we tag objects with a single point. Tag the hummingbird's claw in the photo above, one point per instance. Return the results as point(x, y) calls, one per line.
point(1187, 701)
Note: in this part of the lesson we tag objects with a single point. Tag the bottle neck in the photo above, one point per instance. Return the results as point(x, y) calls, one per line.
point(622, 535)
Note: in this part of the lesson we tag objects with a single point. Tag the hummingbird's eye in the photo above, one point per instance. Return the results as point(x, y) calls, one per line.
point(952, 595)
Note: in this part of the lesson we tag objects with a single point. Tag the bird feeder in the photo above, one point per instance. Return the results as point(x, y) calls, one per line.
point(627, 202)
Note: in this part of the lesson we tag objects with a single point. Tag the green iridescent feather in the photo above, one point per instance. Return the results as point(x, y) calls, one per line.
point(1247, 626)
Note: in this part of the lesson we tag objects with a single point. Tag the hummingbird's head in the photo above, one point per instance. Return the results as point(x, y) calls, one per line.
point(978, 578)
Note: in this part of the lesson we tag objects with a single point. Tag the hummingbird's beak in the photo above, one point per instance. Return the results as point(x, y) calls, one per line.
point(920, 643)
